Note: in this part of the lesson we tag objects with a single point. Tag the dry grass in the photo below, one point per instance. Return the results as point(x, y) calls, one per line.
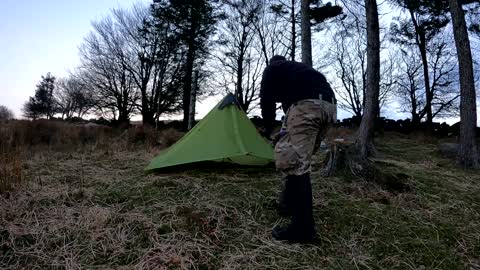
point(21, 138)
point(11, 173)
point(55, 135)
point(62, 136)
point(94, 208)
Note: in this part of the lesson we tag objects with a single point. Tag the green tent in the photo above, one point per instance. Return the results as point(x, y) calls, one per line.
point(224, 135)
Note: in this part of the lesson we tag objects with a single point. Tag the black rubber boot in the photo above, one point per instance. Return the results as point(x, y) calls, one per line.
point(302, 226)
point(284, 202)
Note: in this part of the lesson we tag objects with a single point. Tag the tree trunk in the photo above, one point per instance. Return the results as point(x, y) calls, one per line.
point(147, 113)
point(415, 120)
point(366, 130)
point(415, 116)
point(294, 34)
point(122, 117)
point(50, 103)
point(428, 92)
point(159, 90)
point(426, 76)
point(422, 47)
point(123, 114)
point(468, 152)
point(239, 88)
point(193, 100)
point(187, 89)
point(306, 33)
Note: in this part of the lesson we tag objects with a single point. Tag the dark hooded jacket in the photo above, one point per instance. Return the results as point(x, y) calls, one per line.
point(288, 82)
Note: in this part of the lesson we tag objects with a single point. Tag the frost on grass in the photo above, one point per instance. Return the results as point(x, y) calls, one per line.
point(96, 209)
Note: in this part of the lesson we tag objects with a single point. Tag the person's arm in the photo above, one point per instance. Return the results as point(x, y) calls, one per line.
point(267, 100)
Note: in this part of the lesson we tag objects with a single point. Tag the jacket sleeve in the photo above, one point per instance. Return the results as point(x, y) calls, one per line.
point(267, 100)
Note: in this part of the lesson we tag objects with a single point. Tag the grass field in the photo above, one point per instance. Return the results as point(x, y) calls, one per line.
point(97, 209)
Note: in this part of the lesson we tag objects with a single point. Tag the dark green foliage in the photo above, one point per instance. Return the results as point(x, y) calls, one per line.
point(319, 12)
point(279, 9)
point(192, 21)
point(475, 28)
point(42, 104)
point(161, 88)
point(430, 17)
point(322, 13)
point(472, 15)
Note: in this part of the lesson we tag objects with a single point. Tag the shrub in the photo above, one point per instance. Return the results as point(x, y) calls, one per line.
point(151, 137)
point(64, 136)
point(5, 113)
point(170, 136)
point(55, 134)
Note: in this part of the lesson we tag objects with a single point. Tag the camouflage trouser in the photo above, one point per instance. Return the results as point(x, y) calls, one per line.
point(305, 124)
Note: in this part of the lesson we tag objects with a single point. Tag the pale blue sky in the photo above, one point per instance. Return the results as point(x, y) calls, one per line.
point(37, 37)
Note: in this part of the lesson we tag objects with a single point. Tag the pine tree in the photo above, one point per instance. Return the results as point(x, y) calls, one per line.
point(319, 14)
point(366, 130)
point(193, 21)
point(468, 152)
point(42, 104)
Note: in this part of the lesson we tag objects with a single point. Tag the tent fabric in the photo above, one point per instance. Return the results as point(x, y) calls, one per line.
point(224, 135)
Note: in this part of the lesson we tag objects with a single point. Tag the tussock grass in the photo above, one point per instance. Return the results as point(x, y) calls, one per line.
point(62, 136)
point(97, 209)
point(11, 173)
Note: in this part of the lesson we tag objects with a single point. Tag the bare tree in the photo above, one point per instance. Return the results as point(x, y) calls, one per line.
point(425, 21)
point(133, 61)
point(408, 88)
point(468, 152)
point(72, 97)
point(270, 33)
point(348, 56)
point(289, 11)
point(113, 87)
point(5, 113)
point(349, 63)
point(152, 58)
point(443, 91)
point(138, 56)
point(64, 96)
point(236, 56)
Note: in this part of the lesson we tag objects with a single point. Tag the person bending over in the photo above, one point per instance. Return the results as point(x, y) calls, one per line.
point(310, 107)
